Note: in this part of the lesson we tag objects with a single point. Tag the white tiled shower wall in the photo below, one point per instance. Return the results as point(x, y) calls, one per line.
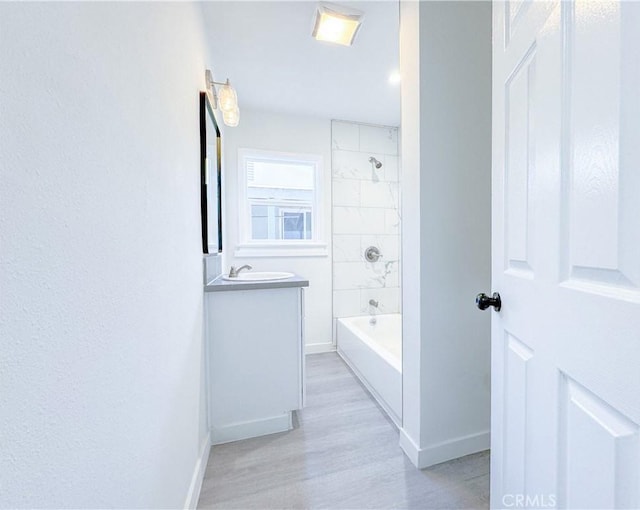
point(366, 212)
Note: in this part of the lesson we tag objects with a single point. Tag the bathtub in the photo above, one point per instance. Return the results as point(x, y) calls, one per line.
point(374, 353)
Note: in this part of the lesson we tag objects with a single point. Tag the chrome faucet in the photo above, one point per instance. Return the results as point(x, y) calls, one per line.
point(233, 272)
point(373, 303)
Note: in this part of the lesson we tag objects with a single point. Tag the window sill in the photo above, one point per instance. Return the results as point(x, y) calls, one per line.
point(281, 250)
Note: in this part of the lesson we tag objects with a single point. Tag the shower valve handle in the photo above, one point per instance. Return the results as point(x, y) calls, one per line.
point(372, 254)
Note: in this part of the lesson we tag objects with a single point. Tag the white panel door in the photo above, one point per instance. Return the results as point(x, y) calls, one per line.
point(566, 255)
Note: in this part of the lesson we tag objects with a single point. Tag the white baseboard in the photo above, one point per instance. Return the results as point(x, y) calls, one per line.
point(191, 502)
point(318, 348)
point(409, 448)
point(444, 451)
point(254, 428)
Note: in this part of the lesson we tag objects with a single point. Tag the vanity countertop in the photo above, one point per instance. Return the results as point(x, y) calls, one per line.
point(220, 285)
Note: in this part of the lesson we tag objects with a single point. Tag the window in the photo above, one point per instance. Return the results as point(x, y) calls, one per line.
point(279, 204)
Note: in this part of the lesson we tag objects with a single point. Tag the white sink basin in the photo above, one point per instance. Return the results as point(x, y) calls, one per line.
point(259, 276)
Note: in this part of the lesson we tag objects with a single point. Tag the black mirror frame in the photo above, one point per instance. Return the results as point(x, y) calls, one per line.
point(207, 109)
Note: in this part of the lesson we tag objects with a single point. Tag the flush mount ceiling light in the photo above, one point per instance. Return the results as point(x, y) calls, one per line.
point(336, 24)
point(226, 99)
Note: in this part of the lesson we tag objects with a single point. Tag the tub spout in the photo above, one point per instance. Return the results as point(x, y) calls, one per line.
point(374, 307)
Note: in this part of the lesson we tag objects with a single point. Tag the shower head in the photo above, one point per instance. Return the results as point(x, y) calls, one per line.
point(375, 162)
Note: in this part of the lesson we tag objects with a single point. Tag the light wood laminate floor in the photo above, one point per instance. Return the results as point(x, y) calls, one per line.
point(344, 454)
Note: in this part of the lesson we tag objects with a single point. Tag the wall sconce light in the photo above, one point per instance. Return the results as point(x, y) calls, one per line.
point(225, 98)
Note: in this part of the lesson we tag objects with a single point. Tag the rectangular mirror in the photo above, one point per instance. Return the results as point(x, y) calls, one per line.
point(210, 178)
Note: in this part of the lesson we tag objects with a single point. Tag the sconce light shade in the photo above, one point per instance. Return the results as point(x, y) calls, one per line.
point(227, 98)
point(232, 117)
point(336, 24)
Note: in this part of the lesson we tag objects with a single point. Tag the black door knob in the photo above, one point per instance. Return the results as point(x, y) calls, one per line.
point(483, 301)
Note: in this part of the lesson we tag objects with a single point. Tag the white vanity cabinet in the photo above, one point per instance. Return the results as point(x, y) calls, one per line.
point(255, 355)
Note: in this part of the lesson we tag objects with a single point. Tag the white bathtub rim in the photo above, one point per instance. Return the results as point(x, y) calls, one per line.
point(385, 354)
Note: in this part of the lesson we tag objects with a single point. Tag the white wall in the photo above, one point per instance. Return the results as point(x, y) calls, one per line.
point(366, 212)
point(412, 348)
point(446, 227)
point(285, 133)
point(101, 401)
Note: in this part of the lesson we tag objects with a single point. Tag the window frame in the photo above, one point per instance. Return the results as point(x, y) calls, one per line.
point(247, 247)
point(291, 210)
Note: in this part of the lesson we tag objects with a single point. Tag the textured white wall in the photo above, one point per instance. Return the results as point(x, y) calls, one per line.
point(101, 401)
point(285, 133)
point(446, 401)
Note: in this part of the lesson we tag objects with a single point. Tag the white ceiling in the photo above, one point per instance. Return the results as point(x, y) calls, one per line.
point(266, 50)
